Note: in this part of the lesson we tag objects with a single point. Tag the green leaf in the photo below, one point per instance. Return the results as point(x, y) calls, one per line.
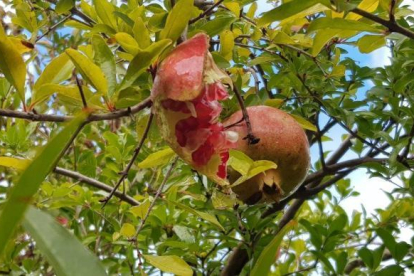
point(172, 264)
point(58, 70)
point(127, 230)
point(128, 43)
point(323, 36)
point(388, 239)
point(14, 163)
point(270, 252)
point(286, 10)
point(401, 84)
point(177, 20)
point(90, 71)
point(63, 251)
point(393, 270)
point(204, 216)
point(218, 24)
point(141, 33)
point(304, 123)
point(21, 194)
point(105, 12)
point(366, 256)
point(276, 103)
point(158, 158)
point(142, 61)
point(106, 60)
point(12, 64)
point(326, 23)
point(64, 6)
point(369, 43)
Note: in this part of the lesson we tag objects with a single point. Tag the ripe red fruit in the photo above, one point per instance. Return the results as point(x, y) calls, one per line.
point(186, 93)
point(283, 141)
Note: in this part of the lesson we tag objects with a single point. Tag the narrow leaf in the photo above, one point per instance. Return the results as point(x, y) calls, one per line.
point(369, 43)
point(141, 33)
point(58, 70)
point(127, 42)
point(30, 180)
point(106, 60)
point(270, 252)
point(62, 250)
point(304, 123)
point(204, 216)
point(172, 264)
point(105, 12)
point(158, 158)
point(341, 24)
point(12, 64)
point(286, 10)
point(14, 163)
point(142, 61)
point(177, 20)
point(90, 71)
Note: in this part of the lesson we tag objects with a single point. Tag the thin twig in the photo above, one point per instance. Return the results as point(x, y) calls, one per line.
point(126, 112)
point(78, 83)
point(205, 13)
point(95, 183)
point(392, 26)
point(144, 219)
point(125, 172)
point(52, 28)
point(251, 139)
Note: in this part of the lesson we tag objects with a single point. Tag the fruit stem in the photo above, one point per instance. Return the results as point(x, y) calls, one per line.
point(251, 139)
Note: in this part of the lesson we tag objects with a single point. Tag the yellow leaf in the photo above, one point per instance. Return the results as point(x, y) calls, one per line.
point(304, 123)
point(127, 42)
point(338, 71)
point(366, 5)
point(90, 71)
point(227, 44)
point(172, 264)
point(21, 45)
point(127, 230)
point(158, 158)
point(12, 64)
point(14, 163)
point(141, 210)
point(274, 102)
point(234, 7)
point(177, 20)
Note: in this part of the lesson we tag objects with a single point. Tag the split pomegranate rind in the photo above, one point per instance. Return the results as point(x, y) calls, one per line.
point(186, 93)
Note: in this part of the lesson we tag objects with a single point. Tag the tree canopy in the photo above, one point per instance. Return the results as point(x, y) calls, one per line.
point(89, 187)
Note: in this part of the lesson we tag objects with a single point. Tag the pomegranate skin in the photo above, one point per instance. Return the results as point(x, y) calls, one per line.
point(283, 141)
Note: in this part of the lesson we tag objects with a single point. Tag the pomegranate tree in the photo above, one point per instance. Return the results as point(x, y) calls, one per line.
point(186, 93)
point(283, 141)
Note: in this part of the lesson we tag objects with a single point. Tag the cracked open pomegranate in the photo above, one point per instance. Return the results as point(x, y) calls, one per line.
point(283, 141)
point(186, 93)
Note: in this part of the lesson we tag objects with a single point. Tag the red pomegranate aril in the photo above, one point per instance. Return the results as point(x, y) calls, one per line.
point(203, 154)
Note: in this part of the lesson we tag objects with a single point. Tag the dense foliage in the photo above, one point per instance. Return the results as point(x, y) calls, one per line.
point(92, 63)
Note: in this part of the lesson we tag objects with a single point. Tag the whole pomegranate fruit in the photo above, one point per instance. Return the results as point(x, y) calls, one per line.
point(186, 93)
point(283, 141)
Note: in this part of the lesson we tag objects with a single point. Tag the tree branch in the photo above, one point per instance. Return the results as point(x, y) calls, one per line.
point(94, 117)
point(95, 183)
point(391, 25)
